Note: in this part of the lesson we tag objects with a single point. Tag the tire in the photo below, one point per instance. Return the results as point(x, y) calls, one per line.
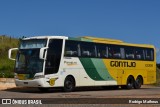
point(69, 84)
point(138, 83)
point(129, 84)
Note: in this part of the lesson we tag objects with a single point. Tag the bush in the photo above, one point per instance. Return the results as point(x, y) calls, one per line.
point(6, 65)
point(6, 74)
point(158, 77)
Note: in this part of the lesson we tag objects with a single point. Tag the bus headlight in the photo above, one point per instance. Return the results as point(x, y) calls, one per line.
point(39, 76)
point(15, 76)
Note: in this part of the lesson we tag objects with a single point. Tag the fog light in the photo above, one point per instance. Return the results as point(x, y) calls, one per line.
point(15, 76)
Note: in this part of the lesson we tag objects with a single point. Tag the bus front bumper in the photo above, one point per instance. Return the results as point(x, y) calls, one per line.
point(30, 83)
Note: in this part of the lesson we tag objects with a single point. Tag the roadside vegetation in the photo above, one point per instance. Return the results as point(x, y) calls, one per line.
point(158, 77)
point(6, 65)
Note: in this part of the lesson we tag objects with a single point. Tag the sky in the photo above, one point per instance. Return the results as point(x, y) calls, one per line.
point(133, 21)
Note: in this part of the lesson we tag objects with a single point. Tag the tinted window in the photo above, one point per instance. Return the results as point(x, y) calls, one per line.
point(139, 53)
point(88, 49)
point(102, 51)
point(71, 49)
point(53, 56)
point(114, 52)
point(129, 53)
point(98, 50)
point(149, 54)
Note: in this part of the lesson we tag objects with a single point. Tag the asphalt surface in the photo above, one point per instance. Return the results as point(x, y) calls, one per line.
point(86, 95)
point(146, 91)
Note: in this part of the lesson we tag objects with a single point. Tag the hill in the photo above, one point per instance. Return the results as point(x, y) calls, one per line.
point(6, 65)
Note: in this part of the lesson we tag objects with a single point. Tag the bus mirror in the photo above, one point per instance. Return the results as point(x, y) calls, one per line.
point(10, 53)
point(42, 51)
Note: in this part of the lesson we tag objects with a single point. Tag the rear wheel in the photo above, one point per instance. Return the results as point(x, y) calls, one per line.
point(129, 84)
point(69, 84)
point(138, 83)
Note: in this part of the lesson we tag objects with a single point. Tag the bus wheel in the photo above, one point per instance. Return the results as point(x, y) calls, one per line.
point(69, 84)
point(43, 89)
point(129, 84)
point(138, 82)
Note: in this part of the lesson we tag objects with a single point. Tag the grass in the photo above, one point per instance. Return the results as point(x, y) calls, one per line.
point(158, 77)
point(6, 65)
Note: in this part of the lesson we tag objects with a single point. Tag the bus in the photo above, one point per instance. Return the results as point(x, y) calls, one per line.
point(66, 62)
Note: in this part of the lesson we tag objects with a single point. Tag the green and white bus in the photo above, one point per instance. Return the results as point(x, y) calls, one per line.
point(60, 61)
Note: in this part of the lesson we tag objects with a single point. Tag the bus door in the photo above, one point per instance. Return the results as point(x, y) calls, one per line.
point(53, 56)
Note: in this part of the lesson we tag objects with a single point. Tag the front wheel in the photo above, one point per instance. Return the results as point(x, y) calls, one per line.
point(69, 84)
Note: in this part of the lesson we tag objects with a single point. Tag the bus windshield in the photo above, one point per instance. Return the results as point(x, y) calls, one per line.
point(28, 61)
point(33, 43)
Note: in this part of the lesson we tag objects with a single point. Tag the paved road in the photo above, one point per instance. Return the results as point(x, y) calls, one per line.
point(144, 92)
point(91, 96)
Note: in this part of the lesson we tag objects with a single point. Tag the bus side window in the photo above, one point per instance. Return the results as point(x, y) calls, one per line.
point(110, 52)
point(139, 54)
point(88, 49)
point(129, 53)
point(149, 54)
point(102, 51)
point(116, 52)
point(71, 49)
point(86, 53)
point(152, 54)
point(122, 51)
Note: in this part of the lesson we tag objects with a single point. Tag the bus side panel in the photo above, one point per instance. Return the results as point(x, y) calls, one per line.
point(87, 71)
point(97, 71)
point(71, 66)
point(120, 72)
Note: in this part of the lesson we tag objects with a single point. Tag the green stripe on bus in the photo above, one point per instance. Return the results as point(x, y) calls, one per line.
point(101, 69)
point(96, 69)
point(80, 39)
point(87, 40)
point(90, 69)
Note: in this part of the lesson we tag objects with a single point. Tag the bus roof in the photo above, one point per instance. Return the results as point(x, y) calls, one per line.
point(45, 37)
point(102, 39)
point(112, 41)
point(92, 39)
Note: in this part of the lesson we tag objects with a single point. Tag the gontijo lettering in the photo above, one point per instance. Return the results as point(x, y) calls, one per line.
point(122, 64)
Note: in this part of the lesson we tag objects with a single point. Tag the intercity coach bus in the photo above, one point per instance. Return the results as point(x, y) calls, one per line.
point(59, 61)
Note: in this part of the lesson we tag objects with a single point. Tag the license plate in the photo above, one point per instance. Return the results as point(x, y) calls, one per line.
point(21, 76)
